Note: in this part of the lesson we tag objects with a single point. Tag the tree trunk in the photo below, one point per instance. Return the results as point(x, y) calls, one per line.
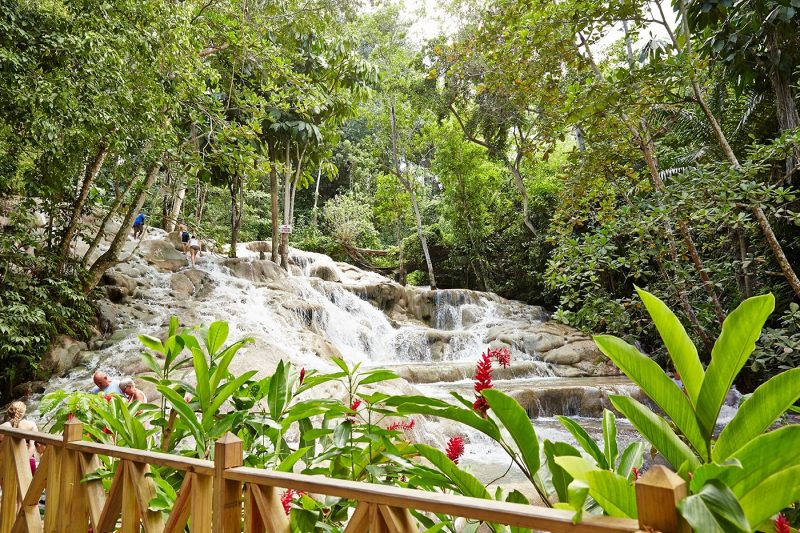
point(175, 211)
point(273, 194)
point(111, 256)
point(120, 196)
point(233, 187)
point(316, 198)
point(287, 185)
point(785, 107)
point(401, 273)
point(746, 278)
point(92, 170)
point(410, 189)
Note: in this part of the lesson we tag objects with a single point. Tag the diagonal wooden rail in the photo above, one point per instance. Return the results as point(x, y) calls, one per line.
point(225, 497)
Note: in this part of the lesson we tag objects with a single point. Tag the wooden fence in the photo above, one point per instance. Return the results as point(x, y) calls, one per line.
point(223, 496)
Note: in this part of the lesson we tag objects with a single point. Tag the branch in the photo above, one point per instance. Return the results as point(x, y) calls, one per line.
point(469, 136)
point(205, 52)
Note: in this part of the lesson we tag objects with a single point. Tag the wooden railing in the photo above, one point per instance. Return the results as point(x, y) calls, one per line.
point(223, 496)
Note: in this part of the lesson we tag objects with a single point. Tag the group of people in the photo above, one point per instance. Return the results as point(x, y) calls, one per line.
point(191, 244)
point(125, 387)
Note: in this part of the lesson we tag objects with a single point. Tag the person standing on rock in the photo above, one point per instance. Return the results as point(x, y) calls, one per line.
point(184, 237)
point(138, 225)
point(130, 390)
point(194, 249)
point(102, 383)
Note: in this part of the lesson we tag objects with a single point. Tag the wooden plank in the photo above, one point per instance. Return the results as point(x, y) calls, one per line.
point(398, 520)
point(227, 498)
point(38, 436)
point(52, 509)
point(202, 498)
point(179, 515)
point(145, 490)
point(361, 518)
point(28, 517)
point(39, 480)
point(131, 519)
point(252, 516)
point(514, 514)
point(187, 464)
point(657, 495)
point(270, 508)
point(113, 507)
point(78, 517)
point(94, 491)
point(377, 523)
point(8, 507)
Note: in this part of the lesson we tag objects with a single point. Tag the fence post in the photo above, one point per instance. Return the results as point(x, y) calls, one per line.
point(227, 504)
point(73, 503)
point(657, 495)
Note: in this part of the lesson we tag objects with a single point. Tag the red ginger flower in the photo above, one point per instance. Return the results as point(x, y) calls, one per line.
point(400, 425)
point(483, 381)
point(501, 355)
point(355, 405)
point(288, 497)
point(302, 375)
point(455, 448)
point(782, 525)
point(635, 473)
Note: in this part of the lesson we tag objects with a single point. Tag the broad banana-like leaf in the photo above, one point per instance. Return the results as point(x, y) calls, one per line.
point(610, 448)
point(630, 458)
point(519, 426)
point(761, 410)
point(615, 494)
point(714, 509)
point(656, 430)
point(772, 495)
point(657, 385)
point(740, 331)
point(466, 482)
point(585, 440)
point(681, 349)
point(558, 476)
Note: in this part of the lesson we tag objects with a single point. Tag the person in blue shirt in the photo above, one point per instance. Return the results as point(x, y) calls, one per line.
point(138, 225)
point(103, 383)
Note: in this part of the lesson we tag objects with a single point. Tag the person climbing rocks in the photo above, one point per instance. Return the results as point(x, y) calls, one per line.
point(194, 248)
point(138, 225)
point(184, 237)
point(16, 419)
point(130, 390)
point(103, 383)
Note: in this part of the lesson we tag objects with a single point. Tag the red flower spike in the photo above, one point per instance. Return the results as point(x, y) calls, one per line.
point(108, 397)
point(70, 416)
point(288, 497)
point(501, 355)
point(483, 373)
point(455, 448)
point(635, 473)
point(782, 525)
point(355, 405)
point(400, 425)
point(481, 405)
point(106, 430)
point(302, 375)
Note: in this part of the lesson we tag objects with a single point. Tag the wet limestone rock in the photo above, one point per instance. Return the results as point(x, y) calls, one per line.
point(573, 353)
point(163, 255)
point(262, 247)
point(324, 272)
point(119, 287)
point(192, 282)
point(254, 270)
point(63, 355)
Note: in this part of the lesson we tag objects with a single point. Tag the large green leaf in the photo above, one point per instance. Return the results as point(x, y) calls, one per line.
point(223, 394)
point(586, 442)
point(152, 343)
point(772, 495)
point(519, 426)
point(615, 494)
point(678, 343)
point(714, 509)
point(185, 413)
point(657, 385)
point(375, 376)
point(467, 483)
point(765, 406)
point(203, 387)
point(558, 476)
point(765, 456)
point(276, 399)
point(656, 430)
point(429, 406)
point(610, 449)
point(630, 458)
point(740, 331)
point(216, 336)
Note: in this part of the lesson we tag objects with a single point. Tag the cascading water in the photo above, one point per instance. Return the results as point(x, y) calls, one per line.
point(323, 308)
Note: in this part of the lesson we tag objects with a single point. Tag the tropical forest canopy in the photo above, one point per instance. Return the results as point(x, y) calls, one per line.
point(559, 153)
